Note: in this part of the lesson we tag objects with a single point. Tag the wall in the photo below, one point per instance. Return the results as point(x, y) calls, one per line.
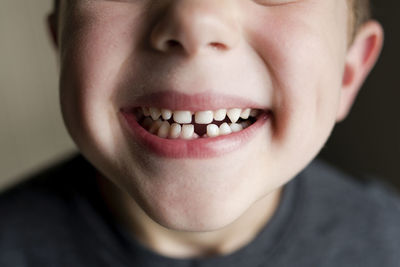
point(31, 130)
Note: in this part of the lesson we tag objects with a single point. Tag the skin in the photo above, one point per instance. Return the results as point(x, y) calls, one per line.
point(298, 63)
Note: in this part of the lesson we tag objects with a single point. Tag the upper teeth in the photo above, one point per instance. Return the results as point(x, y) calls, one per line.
point(156, 121)
point(200, 117)
point(182, 116)
point(220, 115)
point(234, 114)
point(166, 114)
point(154, 113)
point(204, 117)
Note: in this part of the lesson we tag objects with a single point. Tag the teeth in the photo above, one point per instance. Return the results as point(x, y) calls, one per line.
point(163, 130)
point(254, 113)
point(224, 129)
point(245, 113)
point(235, 127)
point(234, 114)
point(212, 130)
point(182, 117)
point(155, 126)
point(146, 111)
point(220, 115)
point(175, 131)
point(187, 131)
point(156, 122)
point(166, 114)
point(155, 113)
point(203, 117)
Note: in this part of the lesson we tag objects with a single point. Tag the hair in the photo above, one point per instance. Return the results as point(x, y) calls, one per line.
point(361, 13)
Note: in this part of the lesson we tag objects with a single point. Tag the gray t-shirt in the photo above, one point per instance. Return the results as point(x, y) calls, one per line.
point(325, 219)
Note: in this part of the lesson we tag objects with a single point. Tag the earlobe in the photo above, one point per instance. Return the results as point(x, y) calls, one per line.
point(360, 59)
point(52, 26)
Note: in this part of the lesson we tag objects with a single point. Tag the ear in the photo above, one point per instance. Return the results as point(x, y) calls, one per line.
point(52, 27)
point(360, 59)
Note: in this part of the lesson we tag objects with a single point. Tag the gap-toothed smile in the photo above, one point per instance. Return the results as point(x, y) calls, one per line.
point(188, 125)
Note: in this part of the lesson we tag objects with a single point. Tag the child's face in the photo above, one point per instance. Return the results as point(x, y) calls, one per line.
point(285, 57)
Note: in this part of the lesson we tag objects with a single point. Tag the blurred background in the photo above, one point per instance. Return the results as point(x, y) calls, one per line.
point(32, 135)
point(31, 130)
point(368, 141)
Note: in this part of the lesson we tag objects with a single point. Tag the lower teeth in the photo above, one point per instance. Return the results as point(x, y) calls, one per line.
point(164, 129)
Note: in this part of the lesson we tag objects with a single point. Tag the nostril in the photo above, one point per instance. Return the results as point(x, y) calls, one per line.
point(218, 46)
point(173, 43)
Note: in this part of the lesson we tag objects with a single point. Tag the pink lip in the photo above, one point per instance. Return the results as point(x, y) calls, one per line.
point(197, 148)
point(194, 102)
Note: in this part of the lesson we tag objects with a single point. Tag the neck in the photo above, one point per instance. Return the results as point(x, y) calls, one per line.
point(179, 244)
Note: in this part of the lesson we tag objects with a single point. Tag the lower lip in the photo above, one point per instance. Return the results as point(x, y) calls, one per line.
point(196, 148)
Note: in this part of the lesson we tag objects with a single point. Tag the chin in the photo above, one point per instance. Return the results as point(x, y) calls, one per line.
point(195, 215)
point(195, 206)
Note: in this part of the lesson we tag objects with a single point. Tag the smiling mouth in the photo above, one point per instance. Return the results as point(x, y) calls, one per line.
point(189, 125)
point(177, 125)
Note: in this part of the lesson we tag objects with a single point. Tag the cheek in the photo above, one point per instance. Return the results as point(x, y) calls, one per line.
point(305, 61)
point(305, 65)
point(92, 58)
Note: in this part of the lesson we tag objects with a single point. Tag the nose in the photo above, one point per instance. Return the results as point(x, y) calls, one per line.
point(195, 25)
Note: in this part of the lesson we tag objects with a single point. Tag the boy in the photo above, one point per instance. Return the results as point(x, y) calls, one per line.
point(200, 119)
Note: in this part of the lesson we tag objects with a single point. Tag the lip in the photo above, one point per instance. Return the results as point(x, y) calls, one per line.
point(196, 148)
point(193, 102)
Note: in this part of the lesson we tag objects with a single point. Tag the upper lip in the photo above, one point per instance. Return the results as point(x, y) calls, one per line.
point(174, 100)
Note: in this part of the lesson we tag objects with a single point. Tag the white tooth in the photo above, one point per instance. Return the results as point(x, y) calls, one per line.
point(175, 130)
point(182, 116)
point(166, 114)
point(155, 113)
point(146, 111)
point(163, 130)
point(254, 113)
point(203, 117)
point(224, 129)
point(220, 114)
point(155, 126)
point(212, 130)
point(234, 114)
point(187, 131)
point(236, 127)
point(147, 122)
point(245, 113)
point(195, 136)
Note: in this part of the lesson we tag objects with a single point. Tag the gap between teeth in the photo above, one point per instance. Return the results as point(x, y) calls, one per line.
point(156, 122)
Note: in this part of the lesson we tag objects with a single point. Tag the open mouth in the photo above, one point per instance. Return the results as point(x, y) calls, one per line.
point(192, 134)
point(190, 125)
